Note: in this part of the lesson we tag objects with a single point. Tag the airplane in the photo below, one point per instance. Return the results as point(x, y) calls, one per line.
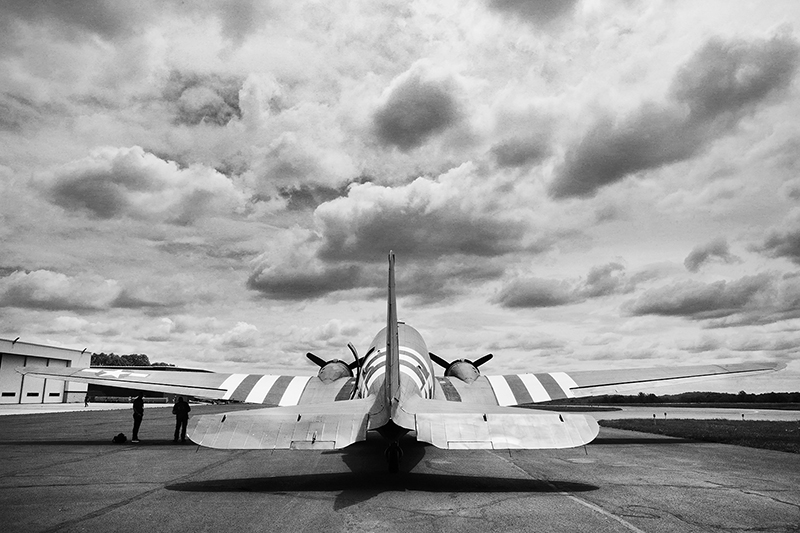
point(393, 391)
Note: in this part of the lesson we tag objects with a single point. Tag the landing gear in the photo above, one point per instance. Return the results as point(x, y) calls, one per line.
point(393, 456)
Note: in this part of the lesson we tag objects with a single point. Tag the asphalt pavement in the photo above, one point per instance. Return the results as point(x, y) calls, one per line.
point(60, 472)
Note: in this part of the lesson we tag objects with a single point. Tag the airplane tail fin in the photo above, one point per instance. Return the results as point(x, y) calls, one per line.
point(392, 383)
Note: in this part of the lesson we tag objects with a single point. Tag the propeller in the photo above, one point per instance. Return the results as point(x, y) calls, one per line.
point(463, 369)
point(444, 364)
point(320, 362)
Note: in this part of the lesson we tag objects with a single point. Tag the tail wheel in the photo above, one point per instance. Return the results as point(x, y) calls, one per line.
point(393, 456)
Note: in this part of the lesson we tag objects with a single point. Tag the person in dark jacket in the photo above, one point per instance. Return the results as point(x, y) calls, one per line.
point(138, 414)
point(181, 411)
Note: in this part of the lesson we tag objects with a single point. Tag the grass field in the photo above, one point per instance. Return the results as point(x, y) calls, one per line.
point(780, 436)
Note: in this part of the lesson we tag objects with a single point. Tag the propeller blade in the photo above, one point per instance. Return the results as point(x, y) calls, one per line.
point(316, 359)
point(482, 360)
point(354, 364)
point(438, 360)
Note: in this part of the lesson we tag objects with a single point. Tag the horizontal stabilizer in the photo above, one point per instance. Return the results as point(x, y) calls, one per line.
point(310, 427)
point(455, 426)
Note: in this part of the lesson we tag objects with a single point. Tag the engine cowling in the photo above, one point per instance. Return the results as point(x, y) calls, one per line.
point(463, 369)
point(332, 370)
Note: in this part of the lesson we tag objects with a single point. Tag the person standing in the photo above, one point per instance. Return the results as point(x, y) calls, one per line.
point(181, 411)
point(138, 414)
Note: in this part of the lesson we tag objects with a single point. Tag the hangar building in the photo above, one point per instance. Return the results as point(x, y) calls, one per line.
point(16, 388)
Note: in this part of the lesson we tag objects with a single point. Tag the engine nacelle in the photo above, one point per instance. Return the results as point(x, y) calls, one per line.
point(333, 370)
point(464, 370)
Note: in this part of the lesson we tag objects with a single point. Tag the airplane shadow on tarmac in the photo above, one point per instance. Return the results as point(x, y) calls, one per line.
point(368, 477)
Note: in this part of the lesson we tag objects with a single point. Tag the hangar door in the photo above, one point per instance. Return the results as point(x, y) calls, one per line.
point(10, 381)
point(33, 388)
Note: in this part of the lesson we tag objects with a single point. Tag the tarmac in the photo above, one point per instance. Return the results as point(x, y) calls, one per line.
point(60, 472)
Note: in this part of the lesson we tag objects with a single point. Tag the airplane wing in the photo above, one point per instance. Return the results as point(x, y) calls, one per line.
point(463, 426)
point(519, 389)
point(266, 389)
point(302, 427)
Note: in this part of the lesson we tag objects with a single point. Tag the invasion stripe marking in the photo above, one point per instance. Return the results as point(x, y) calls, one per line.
point(245, 387)
point(501, 390)
point(261, 389)
point(276, 392)
point(410, 372)
point(552, 387)
point(535, 389)
point(294, 391)
point(565, 382)
point(230, 384)
point(378, 372)
point(450, 392)
point(518, 389)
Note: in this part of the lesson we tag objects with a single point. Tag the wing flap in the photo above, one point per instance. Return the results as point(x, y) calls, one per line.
point(454, 426)
point(309, 427)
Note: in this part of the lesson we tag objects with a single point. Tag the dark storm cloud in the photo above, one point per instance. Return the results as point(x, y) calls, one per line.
point(519, 152)
point(720, 84)
point(303, 283)
point(203, 98)
point(604, 280)
point(716, 250)
point(759, 299)
point(536, 11)
point(416, 108)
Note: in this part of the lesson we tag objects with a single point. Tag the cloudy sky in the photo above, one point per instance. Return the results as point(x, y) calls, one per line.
point(569, 185)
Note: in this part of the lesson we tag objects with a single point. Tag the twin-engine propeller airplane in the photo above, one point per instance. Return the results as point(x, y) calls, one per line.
point(393, 391)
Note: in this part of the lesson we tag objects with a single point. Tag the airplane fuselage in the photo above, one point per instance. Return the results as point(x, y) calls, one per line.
point(415, 364)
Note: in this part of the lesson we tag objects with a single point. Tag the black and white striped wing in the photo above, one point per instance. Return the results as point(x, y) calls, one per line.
point(520, 389)
point(264, 389)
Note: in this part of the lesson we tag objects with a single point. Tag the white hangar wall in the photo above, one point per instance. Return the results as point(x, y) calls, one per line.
point(16, 388)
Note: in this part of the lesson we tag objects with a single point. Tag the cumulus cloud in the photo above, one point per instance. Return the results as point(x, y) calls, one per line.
point(417, 105)
point(289, 270)
point(129, 182)
point(784, 241)
point(425, 218)
point(44, 289)
point(601, 281)
point(203, 98)
point(758, 299)
point(716, 250)
point(731, 76)
point(240, 336)
point(720, 84)
point(536, 292)
point(519, 151)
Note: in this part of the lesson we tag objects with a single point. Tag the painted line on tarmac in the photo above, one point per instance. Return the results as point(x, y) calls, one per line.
point(576, 499)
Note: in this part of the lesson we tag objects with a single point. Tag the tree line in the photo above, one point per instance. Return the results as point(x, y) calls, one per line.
point(689, 397)
point(133, 359)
